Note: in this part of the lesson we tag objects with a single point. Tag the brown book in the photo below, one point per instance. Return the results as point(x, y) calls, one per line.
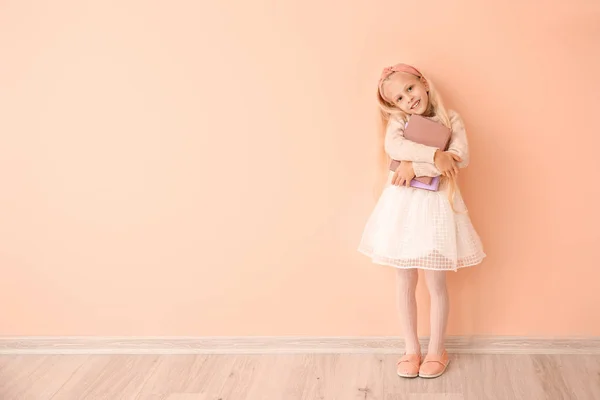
point(425, 131)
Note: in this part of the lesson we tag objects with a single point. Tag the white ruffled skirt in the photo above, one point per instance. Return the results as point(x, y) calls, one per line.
point(416, 228)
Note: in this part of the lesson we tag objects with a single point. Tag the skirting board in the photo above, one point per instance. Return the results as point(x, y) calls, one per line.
point(289, 345)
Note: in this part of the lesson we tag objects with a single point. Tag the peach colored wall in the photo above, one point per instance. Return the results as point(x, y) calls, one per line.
point(205, 168)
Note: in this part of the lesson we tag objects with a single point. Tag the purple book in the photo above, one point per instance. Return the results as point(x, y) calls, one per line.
point(433, 186)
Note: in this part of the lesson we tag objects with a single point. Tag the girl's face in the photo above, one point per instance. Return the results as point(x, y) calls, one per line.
point(407, 92)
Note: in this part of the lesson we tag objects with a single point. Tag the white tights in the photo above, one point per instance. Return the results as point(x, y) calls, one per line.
point(407, 307)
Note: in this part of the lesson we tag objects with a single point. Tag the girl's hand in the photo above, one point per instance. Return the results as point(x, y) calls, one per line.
point(403, 174)
point(445, 162)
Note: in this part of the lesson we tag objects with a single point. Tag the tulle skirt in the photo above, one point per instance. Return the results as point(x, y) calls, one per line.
point(416, 228)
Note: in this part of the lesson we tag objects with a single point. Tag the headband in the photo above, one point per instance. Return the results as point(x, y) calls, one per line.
point(387, 71)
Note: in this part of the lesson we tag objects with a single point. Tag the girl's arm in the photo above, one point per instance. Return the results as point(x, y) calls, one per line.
point(458, 145)
point(425, 169)
point(402, 149)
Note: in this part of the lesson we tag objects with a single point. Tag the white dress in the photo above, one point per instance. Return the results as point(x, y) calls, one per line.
point(416, 228)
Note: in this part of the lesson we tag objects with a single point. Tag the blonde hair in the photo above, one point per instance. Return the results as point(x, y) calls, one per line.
point(389, 110)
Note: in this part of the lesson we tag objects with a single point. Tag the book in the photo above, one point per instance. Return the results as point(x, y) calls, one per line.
point(429, 133)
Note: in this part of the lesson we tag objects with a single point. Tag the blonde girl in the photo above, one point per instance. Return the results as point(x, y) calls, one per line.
point(412, 229)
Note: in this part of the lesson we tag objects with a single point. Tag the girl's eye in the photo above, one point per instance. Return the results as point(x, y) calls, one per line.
point(400, 98)
point(410, 88)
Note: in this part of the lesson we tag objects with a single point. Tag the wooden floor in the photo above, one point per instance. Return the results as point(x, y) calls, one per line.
point(290, 377)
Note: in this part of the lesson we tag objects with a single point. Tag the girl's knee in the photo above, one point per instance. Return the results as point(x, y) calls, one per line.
point(436, 281)
point(407, 278)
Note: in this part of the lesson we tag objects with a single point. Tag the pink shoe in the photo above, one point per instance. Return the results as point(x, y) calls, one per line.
point(408, 365)
point(434, 365)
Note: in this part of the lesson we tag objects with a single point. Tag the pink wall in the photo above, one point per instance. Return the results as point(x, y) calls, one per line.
point(205, 168)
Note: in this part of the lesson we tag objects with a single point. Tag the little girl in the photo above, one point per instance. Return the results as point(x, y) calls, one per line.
point(412, 228)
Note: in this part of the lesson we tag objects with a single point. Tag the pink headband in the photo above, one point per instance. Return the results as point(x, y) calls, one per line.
point(387, 71)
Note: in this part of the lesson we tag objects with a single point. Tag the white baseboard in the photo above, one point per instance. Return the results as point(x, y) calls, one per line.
point(289, 345)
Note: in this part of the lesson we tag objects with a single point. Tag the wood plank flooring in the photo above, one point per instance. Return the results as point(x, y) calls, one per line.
point(294, 377)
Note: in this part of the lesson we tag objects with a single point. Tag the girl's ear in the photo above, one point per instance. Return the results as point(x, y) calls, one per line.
point(424, 81)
